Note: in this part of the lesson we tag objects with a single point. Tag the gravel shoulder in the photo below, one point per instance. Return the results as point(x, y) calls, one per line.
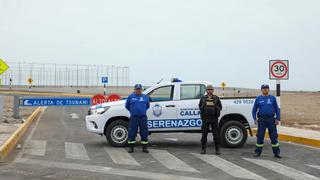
point(7, 123)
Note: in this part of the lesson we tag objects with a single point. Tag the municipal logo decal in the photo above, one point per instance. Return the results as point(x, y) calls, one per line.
point(269, 101)
point(157, 110)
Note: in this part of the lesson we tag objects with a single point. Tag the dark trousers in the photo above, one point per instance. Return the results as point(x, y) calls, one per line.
point(263, 124)
point(206, 129)
point(135, 123)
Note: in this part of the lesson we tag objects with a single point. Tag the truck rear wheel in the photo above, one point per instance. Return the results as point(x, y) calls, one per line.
point(117, 133)
point(233, 134)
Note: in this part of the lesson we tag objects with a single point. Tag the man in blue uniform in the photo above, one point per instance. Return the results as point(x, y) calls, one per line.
point(138, 104)
point(267, 110)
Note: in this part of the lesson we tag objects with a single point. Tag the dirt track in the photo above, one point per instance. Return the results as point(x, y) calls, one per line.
point(301, 109)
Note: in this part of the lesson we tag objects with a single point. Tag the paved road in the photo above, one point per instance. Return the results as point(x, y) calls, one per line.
point(58, 147)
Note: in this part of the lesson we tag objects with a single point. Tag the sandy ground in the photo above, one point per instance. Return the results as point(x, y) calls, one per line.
point(25, 112)
point(8, 124)
point(301, 110)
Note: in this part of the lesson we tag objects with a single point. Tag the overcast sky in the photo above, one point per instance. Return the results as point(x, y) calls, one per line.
point(211, 40)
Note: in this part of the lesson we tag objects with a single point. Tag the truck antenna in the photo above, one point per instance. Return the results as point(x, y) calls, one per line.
point(160, 81)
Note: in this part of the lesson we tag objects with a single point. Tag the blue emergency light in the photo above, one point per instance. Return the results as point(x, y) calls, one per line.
point(175, 80)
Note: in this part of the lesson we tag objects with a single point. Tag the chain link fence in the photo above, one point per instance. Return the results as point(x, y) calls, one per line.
point(72, 75)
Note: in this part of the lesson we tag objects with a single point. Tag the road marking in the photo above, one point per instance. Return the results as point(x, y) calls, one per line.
point(75, 151)
point(28, 139)
point(170, 161)
point(35, 148)
point(282, 169)
point(74, 116)
point(121, 156)
point(314, 166)
point(228, 167)
point(105, 170)
point(172, 139)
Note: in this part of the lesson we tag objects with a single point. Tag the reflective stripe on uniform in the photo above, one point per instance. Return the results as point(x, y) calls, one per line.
point(275, 145)
point(144, 142)
point(259, 145)
point(131, 142)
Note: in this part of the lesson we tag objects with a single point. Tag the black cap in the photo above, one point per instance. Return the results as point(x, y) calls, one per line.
point(138, 86)
point(265, 86)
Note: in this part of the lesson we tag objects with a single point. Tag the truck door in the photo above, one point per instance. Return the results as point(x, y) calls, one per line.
point(188, 105)
point(162, 108)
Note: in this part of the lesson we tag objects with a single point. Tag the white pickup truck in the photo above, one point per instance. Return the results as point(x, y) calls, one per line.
point(174, 108)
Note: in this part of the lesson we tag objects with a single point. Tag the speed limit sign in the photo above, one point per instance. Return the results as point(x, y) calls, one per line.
point(279, 69)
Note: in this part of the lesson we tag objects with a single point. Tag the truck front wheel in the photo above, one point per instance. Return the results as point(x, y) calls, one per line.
point(233, 134)
point(117, 133)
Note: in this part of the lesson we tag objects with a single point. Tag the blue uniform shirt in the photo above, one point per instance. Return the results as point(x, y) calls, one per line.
point(138, 105)
point(266, 106)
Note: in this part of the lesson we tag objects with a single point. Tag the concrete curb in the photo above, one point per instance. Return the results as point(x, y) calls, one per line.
point(294, 139)
point(10, 143)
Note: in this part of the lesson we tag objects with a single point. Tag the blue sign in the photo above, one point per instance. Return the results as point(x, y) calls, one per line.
point(174, 123)
point(55, 102)
point(104, 80)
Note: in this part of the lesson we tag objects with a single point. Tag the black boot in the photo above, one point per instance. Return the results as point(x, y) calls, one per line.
point(203, 150)
point(145, 148)
point(277, 156)
point(218, 150)
point(256, 154)
point(131, 148)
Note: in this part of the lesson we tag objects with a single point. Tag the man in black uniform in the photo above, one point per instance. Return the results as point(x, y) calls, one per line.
point(210, 107)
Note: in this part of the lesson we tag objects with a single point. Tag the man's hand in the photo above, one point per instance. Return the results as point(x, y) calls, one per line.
point(277, 122)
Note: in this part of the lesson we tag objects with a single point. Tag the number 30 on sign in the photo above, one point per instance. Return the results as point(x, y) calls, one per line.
point(279, 69)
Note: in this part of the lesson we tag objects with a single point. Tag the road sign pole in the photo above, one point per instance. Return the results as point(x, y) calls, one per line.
point(104, 80)
point(278, 93)
point(16, 102)
point(10, 83)
point(223, 85)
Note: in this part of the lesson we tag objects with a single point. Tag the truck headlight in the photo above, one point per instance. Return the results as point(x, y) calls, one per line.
point(98, 110)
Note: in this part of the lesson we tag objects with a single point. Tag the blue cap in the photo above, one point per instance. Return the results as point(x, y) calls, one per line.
point(138, 86)
point(265, 86)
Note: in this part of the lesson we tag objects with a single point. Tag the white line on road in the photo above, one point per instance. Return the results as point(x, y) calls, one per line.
point(75, 151)
point(172, 139)
point(228, 167)
point(121, 156)
point(105, 170)
point(35, 148)
point(282, 169)
point(314, 166)
point(28, 139)
point(74, 116)
point(170, 161)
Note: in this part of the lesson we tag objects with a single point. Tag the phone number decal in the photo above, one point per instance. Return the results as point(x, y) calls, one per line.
point(244, 101)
